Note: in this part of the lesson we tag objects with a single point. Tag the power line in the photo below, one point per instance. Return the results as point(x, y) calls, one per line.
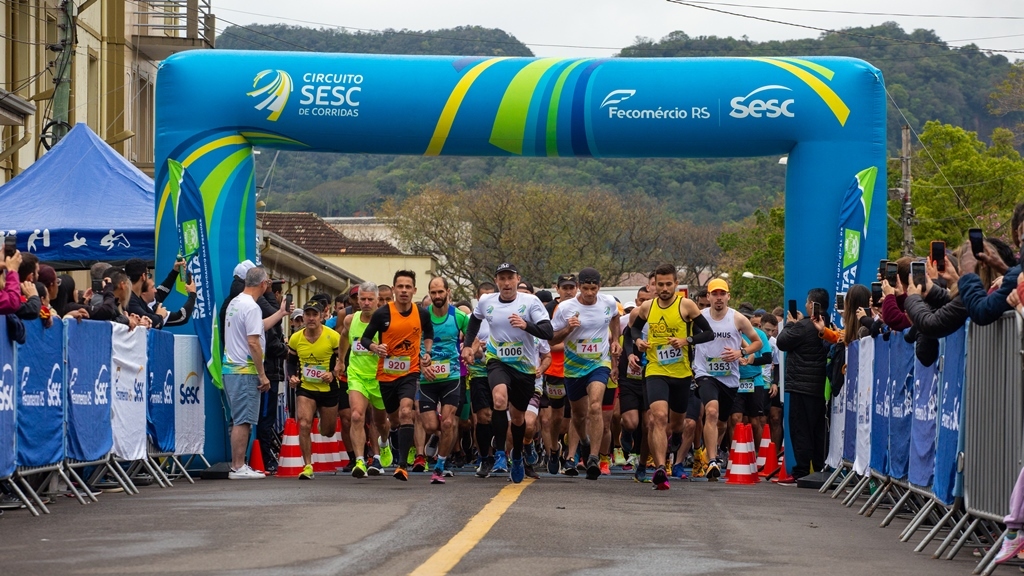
point(857, 13)
point(829, 30)
point(999, 179)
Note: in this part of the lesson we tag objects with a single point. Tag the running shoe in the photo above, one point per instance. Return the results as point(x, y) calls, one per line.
point(347, 468)
point(650, 461)
point(431, 447)
point(531, 473)
point(581, 466)
point(570, 468)
point(375, 468)
point(530, 453)
point(660, 479)
point(618, 458)
point(679, 472)
point(419, 464)
point(412, 456)
point(518, 471)
point(386, 457)
point(1010, 548)
point(700, 463)
point(307, 472)
point(448, 473)
point(401, 474)
point(246, 473)
point(552, 464)
point(630, 462)
point(606, 465)
point(500, 463)
point(640, 475)
point(359, 470)
point(593, 468)
point(437, 477)
point(484, 470)
point(714, 471)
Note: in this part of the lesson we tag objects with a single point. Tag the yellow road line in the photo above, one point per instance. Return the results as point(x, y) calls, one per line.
point(478, 526)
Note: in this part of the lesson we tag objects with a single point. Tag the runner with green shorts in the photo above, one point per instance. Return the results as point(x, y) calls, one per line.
point(363, 388)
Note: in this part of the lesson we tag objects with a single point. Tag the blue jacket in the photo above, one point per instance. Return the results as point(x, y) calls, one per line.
point(982, 307)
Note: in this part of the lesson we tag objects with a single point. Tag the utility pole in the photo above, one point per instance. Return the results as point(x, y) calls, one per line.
point(62, 81)
point(907, 218)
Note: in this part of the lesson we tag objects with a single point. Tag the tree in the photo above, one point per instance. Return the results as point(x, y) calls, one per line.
point(545, 231)
point(755, 244)
point(1008, 97)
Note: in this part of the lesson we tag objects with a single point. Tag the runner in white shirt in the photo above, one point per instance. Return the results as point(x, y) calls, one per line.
point(589, 326)
point(514, 320)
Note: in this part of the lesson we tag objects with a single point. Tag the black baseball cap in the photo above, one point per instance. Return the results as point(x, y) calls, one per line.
point(314, 305)
point(566, 279)
point(590, 276)
point(526, 285)
point(505, 267)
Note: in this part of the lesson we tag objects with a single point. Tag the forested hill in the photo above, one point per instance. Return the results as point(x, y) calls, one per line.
point(928, 80)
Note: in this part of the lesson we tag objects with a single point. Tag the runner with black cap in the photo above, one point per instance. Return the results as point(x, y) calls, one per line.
point(406, 337)
point(514, 319)
point(589, 327)
point(668, 374)
point(313, 364)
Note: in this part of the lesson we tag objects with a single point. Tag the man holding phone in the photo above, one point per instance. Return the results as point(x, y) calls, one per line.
point(807, 340)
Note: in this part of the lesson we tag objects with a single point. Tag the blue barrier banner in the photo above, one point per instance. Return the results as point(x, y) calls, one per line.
point(7, 421)
point(950, 402)
point(901, 402)
point(88, 345)
point(852, 376)
point(40, 366)
point(880, 404)
point(922, 430)
point(853, 231)
point(160, 400)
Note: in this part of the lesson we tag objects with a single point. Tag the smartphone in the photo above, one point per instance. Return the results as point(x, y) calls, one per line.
point(792, 308)
point(977, 240)
point(917, 272)
point(816, 310)
point(868, 312)
point(881, 268)
point(891, 270)
point(939, 255)
point(288, 301)
point(10, 245)
point(876, 294)
point(840, 301)
point(188, 277)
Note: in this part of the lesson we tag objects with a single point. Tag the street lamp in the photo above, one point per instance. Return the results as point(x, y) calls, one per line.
point(751, 275)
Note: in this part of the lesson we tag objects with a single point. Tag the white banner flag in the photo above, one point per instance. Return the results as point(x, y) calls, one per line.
point(189, 412)
point(865, 401)
point(128, 397)
point(837, 426)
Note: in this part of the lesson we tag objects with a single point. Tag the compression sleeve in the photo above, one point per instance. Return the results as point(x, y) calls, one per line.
point(762, 359)
point(542, 329)
point(473, 329)
point(702, 332)
point(637, 329)
point(426, 324)
point(381, 317)
point(293, 363)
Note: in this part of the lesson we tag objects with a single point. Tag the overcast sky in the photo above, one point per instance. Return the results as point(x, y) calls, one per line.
point(601, 27)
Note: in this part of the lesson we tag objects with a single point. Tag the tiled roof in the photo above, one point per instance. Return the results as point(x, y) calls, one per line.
point(311, 232)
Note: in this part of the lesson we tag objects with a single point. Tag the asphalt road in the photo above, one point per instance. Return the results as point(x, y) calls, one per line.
point(339, 525)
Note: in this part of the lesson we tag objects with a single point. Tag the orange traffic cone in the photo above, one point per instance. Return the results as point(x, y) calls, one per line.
point(256, 456)
point(326, 451)
point(783, 475)
point(771, 459)
point(743, 461)
point(762, 450)
point(289, 463)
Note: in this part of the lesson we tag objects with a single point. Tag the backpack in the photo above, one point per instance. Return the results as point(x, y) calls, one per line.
point(836, 368)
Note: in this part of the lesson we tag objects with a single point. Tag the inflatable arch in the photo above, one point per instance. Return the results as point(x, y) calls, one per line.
point(827, 114)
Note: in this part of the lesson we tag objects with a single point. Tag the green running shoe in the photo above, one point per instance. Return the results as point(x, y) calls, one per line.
point(359, 470)
point(386, 457)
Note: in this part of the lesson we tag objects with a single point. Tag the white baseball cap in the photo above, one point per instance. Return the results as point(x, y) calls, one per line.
point(243, 268)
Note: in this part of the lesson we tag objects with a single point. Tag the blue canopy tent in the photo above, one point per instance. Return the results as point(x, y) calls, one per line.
point(80, 203)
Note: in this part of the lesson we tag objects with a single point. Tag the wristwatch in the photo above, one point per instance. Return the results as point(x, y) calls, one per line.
point(689, 340)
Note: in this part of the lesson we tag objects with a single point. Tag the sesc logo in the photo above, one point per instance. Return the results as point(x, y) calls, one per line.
point(277, 90)
point(743, 106)
point(189, 390)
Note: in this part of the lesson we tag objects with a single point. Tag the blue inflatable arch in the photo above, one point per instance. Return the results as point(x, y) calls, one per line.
point(827, 114)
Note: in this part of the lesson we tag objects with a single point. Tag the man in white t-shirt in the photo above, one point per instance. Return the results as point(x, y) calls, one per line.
point(243, 375)
point(589, 326)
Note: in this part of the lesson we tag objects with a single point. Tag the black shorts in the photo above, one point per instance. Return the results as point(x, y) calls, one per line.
point(675, 391)
point(608, 401)
point(397, 390)
point(711, 389)
point(554, 390)
point(343, 401)
point(544, 401)
point(750, 404)
point(776, 401)
point(694, 408)
point(446, 393)
point(480, 394)
point(631, 395)
point(520, 384)
point(327, 399)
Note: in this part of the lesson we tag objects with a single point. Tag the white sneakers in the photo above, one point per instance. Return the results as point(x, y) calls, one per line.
point(245, 473)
